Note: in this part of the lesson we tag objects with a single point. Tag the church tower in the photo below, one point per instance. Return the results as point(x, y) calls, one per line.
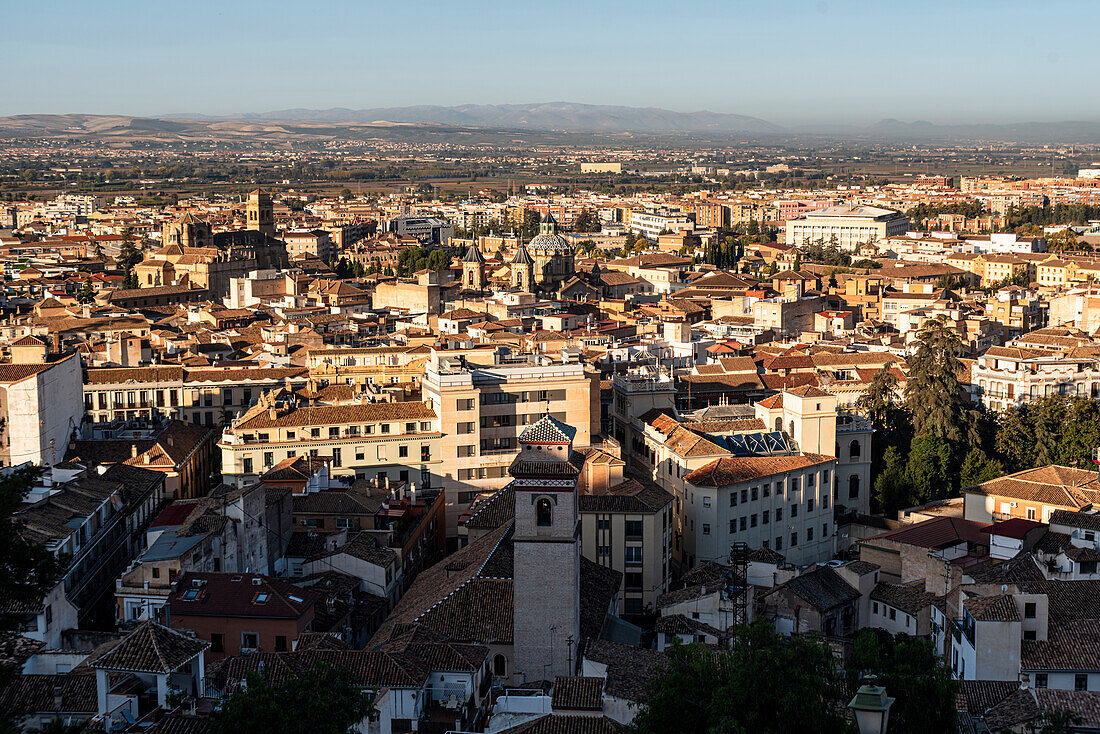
point(522, 268)
point(260, 212)
point(473, 269)
point(546, 552)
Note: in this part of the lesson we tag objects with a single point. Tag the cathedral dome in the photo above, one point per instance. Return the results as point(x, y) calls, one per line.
point(548, 241)
point(553, 244)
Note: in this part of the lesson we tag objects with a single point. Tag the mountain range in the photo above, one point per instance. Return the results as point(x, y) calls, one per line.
point(489, 122)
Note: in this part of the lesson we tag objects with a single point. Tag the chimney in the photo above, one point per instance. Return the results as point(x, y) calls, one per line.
point(58, 699)
point(271, 413)
point(133, 451)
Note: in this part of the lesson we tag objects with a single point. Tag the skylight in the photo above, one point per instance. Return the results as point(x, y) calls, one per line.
point(191, 595)
point(261, 598)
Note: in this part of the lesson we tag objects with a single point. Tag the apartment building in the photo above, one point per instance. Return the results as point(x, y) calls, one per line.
point(766, 475)
point(483, 409)
point(650, 224)
point(399, 440)
point(39, 404)
point(628, 527)
point(1005, 377)
point(848, 226)
point(98, 524)
point(209, 395)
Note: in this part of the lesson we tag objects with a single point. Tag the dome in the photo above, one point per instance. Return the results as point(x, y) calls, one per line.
point(553, 244)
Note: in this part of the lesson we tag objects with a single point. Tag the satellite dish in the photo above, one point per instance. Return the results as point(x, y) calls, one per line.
point(1004, 588)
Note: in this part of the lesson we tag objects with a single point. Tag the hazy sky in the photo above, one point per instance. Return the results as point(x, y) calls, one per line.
point(784, 61)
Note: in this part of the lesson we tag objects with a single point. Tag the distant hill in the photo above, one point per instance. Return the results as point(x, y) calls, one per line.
point(565, 123)
point(552, 116)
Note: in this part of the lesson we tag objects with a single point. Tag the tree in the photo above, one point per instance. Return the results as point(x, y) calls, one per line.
point(322, 700)
point(586, 221)
point(891, 484)
point(128, 253)
point(978, 468)
point(910, 671)
point(86, 293)
point(130, 280)
point(932, 393)
point(765, 684)
point(929, 469)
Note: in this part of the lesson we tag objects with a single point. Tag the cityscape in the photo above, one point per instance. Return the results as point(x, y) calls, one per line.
point(351, 390)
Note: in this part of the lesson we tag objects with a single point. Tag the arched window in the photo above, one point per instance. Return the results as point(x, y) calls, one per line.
point(544, 513)
point(779, 424)
point(791, 431)
point(853, 449)
point(500, 666)
point(853, 486)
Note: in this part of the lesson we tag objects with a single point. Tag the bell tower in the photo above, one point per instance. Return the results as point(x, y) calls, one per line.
point(546, 552)
point(260, 212)
point(473, 269)
point(522, 269)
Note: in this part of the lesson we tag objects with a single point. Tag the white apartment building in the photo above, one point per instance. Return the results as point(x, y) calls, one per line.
point(1006, 377)
point(852, 226)
point(650, 224)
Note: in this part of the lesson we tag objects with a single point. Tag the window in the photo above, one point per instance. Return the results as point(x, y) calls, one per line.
point(733, 525)
point(778, 515)
point(809, 534)
point(633, 581)
point(403, 452)
point(794, 511)
point(794, 539)
point(633, 555)
point(633, 528)
point(778, 543)
point(733, 498)
point(500, 666)
point(280, 643)
point(1029, 610)
point(893, 614)
point(250, 641)
point(825, 501)
point(1081, 682)
point(874, 607)
point(764, 516)
point(425, 453)
point(744, 495)
point(853, 450)
point(544, 512)
point(706, 500)
point(853, 486)
point(706, 528)
point(217, 642)
point(752, 521)
point(246, 465)
point(810, 505)
point(603, 550)
point(385, 428)
point(794, 484)
point(1029, 635)
point(333, 431)
point(743, 522)
point(1031, 513)
point(752, 494)
point(269, 458)
point(1040, 680)
point(767, 490)
point(603, 523)
point(261, 598)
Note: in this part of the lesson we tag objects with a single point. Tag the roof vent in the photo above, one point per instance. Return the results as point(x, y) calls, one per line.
point(257, 581)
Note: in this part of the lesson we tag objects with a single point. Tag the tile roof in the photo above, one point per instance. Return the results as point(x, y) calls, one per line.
point(630, 496)
point(1062, 486)
point(910, 598)
point(567, 724)
point(822, 587)
point(150, 648)
point(33, 694)
point(577, 693)
point(1073, 646)
point(225, 594)
point(335, 415)
point(548, 429)
point(940, 532)
point(999, 608)
point(629, 668)
point(734, 469)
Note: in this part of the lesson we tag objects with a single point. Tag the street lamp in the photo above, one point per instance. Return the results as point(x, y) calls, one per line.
point(871, 707)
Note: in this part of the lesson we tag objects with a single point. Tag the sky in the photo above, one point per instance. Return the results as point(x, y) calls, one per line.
point(786, 61)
